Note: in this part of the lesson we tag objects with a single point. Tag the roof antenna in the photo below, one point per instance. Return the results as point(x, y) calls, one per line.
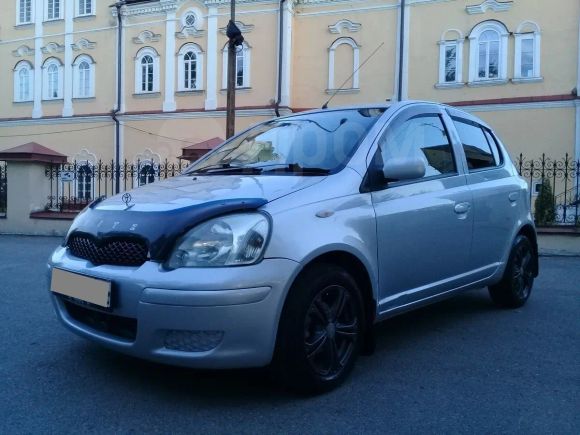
point(325, 105)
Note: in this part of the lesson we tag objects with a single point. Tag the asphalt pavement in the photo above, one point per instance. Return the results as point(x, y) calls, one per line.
point(460, 366)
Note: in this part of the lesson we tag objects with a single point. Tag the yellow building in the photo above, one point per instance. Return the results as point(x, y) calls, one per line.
point(513, 63)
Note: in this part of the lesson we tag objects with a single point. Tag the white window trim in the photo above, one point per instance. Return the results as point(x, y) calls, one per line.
point(77, 76)
point(18, 22)
point(247, 63)
point(181, 67)
point(47, 64)
point(60, 11)
point(355, 63)
point(477, 31)
point(536, 37)
point(19, 67)
point(78, 12)
point(458, 67)
point(138, 85)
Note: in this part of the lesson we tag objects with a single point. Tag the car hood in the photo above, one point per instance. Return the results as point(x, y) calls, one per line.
point(186, 191)
point(157, 215)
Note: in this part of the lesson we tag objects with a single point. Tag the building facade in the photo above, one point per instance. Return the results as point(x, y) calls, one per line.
point(515, 64)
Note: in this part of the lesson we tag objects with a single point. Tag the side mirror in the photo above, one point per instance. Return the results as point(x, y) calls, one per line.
point(399, 169)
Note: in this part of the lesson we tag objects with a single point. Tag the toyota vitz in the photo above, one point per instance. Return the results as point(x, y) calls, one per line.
point(284, 245)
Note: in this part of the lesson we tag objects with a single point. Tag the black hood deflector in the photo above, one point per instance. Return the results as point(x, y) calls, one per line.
point(159, 229)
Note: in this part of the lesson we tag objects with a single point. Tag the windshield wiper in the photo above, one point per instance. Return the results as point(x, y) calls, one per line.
point(295, 168)
point(226, 168)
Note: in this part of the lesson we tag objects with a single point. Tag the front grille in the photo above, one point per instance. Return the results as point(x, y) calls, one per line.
point(122, 327)
point(119, 252)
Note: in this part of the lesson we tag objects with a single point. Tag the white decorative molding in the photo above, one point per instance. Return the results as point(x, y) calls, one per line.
point(23, 51)
point(83, 44)
point(52, 48)
point(146, 37)
point(160, 7)
point(355, 63)
point(85, 156)
point(147, 157)
point(245, 28)
point(189, 31)
point(344, 25)
point(494, 5)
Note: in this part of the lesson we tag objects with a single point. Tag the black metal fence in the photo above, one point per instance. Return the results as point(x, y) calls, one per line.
point(74, 185)
point(3, 190)
point(563, 178)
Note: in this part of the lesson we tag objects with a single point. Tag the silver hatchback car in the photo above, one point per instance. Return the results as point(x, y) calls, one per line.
point(286, 244)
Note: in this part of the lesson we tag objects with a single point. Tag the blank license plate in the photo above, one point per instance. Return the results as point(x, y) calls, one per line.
point(92, 290)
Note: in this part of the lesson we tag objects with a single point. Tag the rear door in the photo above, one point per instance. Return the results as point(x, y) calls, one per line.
point(496, 196)
point(424, 226)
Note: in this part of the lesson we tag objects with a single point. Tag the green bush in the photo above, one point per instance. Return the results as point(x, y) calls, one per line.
point(545, 210)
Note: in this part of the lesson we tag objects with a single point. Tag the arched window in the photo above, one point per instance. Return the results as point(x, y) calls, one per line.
point(243, 61)
point(332, 51)
point(190, 68)
point(84, 77)
point(84, 178)
point(527, 52)
point(451, 59)
point(146, 71)
point(23, 82)
point(488, 52)
point(52, 79)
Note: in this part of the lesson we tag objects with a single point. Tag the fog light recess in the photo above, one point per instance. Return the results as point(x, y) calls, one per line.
point(193, 341)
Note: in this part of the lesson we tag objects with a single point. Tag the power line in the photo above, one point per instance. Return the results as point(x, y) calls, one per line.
point(154, 134)
point(54, 132)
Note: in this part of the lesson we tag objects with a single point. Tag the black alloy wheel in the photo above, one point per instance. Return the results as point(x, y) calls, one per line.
point(321, 330)
point(518, 280)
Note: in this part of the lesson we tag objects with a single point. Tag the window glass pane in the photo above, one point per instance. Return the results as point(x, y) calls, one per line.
point(494, 147)
point(493, 60)
point(422, 137)
point(477, 150)
point(451, 63)
point(482, 71)
point(527, 60)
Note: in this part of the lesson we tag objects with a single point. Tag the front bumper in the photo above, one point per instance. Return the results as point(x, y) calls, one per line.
point(204, 318)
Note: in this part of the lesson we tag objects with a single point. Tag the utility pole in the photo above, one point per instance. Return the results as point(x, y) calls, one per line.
point(235, 39)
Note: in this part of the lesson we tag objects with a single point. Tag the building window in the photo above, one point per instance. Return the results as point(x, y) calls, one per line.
point(53, 9)
point(190, 68)
point(332, 55)
point(488, 52)
point(146, 71)
point(527, 52)
point(189, 19)
point(23, 82)
point(84, 77)
point(85, 182)
point(52, 79)
point(146, 174)
point(451, 59)
point(85, 7)
point(243, 57)
point(24, 12)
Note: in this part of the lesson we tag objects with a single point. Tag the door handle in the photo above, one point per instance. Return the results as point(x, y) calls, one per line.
point(513, 196)
point(462, 207)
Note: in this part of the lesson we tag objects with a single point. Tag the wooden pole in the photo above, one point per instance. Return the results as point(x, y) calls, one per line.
point(231, 107)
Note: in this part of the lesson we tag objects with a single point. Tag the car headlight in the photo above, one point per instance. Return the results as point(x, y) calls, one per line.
point(231, 240)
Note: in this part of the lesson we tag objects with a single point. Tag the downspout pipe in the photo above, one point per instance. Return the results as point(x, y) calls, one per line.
point(117, 169)
point(401, 51)
point(280, 56)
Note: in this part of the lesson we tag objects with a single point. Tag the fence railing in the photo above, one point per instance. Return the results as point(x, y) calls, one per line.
point(558, 201)
point(3, 189)
point(74, 185)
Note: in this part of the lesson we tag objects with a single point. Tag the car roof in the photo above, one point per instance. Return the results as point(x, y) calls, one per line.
point(451, 110)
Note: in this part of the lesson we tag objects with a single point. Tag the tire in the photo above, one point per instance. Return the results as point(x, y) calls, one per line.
point(516, 285)
point(320, 332)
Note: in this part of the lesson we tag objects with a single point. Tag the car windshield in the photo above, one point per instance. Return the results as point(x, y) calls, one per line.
point(312, 144)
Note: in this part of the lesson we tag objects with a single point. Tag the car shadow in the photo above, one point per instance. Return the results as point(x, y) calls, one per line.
point(255, 385)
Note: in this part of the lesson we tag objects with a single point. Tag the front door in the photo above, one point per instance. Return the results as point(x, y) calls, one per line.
point(424, 226)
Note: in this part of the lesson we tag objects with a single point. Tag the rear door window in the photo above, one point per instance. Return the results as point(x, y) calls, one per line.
point(480, 149)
